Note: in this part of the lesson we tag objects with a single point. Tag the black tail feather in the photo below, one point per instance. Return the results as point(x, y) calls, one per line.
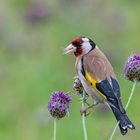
point(124, 122)
point(123, 131)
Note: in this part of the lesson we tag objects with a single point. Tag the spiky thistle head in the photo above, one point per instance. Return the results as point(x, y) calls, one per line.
point(132, 68)
point(58, 105)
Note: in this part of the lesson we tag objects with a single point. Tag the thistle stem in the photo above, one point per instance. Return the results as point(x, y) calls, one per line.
point(131, 95)
point(83, 119)
point(54, 134)
point(128, 102)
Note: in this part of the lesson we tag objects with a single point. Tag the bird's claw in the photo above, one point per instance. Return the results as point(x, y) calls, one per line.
point(84, 112)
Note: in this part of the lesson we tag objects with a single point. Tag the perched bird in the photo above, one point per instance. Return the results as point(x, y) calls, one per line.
point(98, 78)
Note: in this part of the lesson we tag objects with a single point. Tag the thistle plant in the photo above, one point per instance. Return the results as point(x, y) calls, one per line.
point(78, 88)
point(132, 68)
point(58, 106)
point(83, 117)
point(131, 73)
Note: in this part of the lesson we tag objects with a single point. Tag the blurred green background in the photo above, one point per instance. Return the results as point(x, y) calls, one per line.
point(33, 34)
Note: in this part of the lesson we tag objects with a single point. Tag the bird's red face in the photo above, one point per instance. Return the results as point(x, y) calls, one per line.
point(80, 46)
point(78, 43)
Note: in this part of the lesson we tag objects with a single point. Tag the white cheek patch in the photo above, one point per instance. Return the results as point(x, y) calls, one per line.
point(86, 47)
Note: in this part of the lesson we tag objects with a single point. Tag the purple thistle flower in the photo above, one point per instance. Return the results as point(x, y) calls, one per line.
point(132, 68)
point(58, 105)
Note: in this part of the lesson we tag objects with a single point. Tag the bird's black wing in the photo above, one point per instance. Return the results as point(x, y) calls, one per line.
point(111, 92)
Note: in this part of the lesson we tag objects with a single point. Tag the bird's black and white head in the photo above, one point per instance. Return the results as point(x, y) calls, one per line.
point(80, 46)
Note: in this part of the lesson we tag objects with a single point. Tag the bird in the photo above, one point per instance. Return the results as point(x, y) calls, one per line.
point(98, 79)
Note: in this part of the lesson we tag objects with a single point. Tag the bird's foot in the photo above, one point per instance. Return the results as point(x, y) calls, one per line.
point(84, 110)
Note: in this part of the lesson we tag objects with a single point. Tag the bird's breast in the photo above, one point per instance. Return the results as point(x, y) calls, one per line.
point(87, 86)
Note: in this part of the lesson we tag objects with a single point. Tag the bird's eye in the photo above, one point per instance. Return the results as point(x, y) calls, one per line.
point(77, 44)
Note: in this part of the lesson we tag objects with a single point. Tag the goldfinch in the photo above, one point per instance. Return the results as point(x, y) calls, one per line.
point(98, 78)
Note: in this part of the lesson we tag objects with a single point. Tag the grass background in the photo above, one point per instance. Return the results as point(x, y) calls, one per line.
point(33, 34)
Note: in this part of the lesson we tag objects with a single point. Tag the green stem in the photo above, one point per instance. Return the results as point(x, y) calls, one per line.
point(128, 102)
point(83, 119)
point(54, 134)
point(131, 95)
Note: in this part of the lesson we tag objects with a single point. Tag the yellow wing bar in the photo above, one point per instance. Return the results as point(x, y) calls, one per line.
point(90, 79)
point(93, 82)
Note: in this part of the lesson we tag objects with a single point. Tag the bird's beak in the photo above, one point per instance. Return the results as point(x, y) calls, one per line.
point(69, 49)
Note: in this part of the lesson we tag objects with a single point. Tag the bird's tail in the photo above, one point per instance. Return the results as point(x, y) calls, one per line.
point(124, 122)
